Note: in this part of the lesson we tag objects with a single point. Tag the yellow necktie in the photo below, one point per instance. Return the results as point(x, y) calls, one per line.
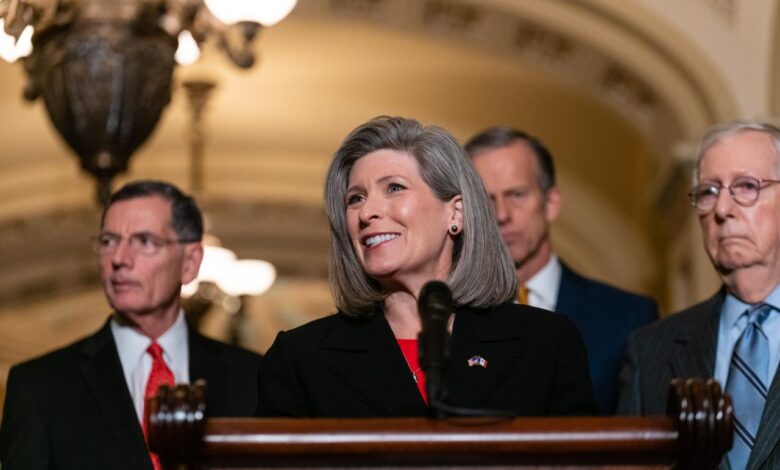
point(522, 294)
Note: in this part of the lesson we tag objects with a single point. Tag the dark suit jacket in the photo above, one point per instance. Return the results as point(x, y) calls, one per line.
point(340, 366)
point(605, 317)
point(684, 345)
point(71, 408)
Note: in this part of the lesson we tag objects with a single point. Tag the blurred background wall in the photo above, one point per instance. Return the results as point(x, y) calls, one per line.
point(619, 90)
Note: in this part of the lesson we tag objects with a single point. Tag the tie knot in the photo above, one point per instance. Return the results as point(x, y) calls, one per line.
point(522, 294)
point(155, 350)
point(758, 313)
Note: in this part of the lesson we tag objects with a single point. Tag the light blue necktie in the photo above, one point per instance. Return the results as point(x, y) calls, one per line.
point(748, 385)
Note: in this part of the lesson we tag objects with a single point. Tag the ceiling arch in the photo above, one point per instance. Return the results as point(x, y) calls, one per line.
point(609, 87)
point(620, 52)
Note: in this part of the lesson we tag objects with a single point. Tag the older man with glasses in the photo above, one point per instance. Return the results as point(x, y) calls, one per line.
point(735, 335)
point(83, 406)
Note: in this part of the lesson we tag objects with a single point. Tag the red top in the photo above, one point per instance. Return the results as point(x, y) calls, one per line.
point(411, 354)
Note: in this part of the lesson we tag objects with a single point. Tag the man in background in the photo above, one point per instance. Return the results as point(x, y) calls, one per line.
point(519, 175)
point(82, 406)
point(733, 336)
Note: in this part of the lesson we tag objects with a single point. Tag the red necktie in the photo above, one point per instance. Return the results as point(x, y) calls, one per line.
point(159, 375)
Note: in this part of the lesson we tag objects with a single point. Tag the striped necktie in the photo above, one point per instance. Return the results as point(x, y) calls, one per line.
point(748, 384)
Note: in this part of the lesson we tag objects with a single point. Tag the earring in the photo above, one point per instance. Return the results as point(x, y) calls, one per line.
point(454, 229)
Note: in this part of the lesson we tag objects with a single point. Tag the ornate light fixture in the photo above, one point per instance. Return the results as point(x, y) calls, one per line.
point(104, 67)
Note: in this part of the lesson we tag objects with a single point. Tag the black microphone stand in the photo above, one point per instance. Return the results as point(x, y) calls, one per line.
point(435, 305)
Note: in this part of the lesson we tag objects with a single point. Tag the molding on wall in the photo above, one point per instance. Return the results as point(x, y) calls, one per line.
point(51, 255)
point(631, 84)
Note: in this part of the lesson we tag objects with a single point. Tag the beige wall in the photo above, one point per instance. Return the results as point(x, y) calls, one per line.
point(613, 88)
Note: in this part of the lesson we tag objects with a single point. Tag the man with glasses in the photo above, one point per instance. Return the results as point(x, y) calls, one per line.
point(735, 335)
point(83, 406)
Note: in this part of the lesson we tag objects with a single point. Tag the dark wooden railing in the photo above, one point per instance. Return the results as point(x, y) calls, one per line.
point(695, 435)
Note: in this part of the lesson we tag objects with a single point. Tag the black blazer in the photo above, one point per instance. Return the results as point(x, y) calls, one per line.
point(605, 317)
point(684, 345)
point(71, 409)
point(340, 366)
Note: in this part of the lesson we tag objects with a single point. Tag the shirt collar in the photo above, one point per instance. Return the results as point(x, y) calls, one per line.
point(733, 308)
point(174, 342)
point(546, 283)
point(131, 344)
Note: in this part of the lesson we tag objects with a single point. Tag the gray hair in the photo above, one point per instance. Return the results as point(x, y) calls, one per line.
point(482, 272)
point(716, 134)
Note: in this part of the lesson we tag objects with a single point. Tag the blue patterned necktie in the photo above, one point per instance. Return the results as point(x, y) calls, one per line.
point(748, 384)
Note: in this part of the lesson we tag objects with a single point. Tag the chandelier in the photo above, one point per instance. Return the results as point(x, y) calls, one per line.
point(104, 67)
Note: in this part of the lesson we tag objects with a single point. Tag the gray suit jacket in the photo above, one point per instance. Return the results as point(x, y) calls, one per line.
point(684, 345)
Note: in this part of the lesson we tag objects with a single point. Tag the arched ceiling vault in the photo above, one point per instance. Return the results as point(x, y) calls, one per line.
point(620, 52)
point(613, 87)
point(607, 84)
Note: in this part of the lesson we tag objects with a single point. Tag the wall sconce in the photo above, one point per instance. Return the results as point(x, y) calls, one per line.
point(234, 277)
point(228, 282)
point(104, 67)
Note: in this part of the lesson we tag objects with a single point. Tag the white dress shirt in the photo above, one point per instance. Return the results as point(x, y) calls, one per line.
point(136, 363)
point(543, 287)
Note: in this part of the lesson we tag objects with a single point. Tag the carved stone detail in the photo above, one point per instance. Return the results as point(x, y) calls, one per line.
point(725, 9)
point(573, 60)
point(50, 255)
point(445, 15)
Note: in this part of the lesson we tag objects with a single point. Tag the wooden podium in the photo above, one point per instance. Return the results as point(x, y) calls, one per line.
point(695, 435)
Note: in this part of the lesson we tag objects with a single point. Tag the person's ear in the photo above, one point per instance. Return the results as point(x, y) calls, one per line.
point(456, 216)
point(552, 204)
point(193, 256)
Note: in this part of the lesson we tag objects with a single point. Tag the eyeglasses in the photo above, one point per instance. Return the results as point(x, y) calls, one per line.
point(744, 190)
point(142, 243)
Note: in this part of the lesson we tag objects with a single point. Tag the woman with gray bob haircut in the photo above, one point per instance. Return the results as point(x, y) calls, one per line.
point(482, 273)
point(405, 208)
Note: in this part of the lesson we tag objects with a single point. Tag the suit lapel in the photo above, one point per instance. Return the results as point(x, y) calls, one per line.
point(103, 374)
point(569, 291)
point(698, 346)
point(206, 363)
point(769, 429)
point(363, 354)
point(698, 342)
point(576, 301)
point(487, 336)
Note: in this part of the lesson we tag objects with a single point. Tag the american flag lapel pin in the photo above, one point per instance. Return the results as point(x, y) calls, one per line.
point(478, 361)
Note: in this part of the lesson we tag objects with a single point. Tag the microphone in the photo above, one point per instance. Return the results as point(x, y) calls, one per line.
point(435, 306)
